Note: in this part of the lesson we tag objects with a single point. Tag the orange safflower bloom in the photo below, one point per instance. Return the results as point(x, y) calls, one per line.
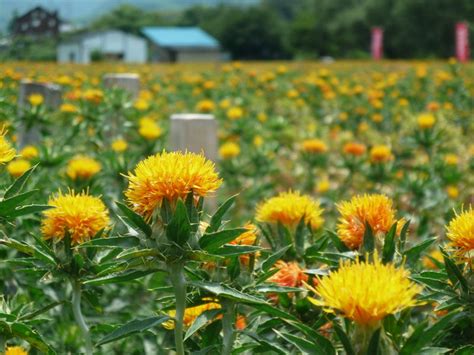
point(354, 148)
point(375, 210)
point(289, 274)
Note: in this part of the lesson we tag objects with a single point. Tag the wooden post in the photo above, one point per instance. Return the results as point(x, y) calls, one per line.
point(194, 132)
point(130, 82)
point(52, 95)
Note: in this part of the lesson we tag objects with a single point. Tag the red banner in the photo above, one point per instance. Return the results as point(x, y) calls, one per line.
point(462, 42)
point(376, 46)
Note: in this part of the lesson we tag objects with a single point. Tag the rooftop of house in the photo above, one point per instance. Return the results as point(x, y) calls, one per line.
point(180, 37)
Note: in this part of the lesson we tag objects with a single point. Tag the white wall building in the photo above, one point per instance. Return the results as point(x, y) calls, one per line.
point(111, 44)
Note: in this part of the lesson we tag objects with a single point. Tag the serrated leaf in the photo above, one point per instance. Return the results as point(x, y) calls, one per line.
point(423, 335)
point(300, 237)
point(179, 228)
point(323, 342)
point(122, 277)
point(369, 240)
point(203, 319)
point(19, 183)
point(232, 250)
point(301, 344)
point(135, 219)
point(216, 219)
point(276, 289)
point(414, 252)
point(227, 292)
point(212, 241)
point(337, 242)
point(373, 348)
point(272, 259)
point(389, 245)
point(403, 236)
point(346, 343)
point(113, 242)
point(133, 327)
point(30, 335)
point(454, 273)
point(10, 204)
point(28, 209)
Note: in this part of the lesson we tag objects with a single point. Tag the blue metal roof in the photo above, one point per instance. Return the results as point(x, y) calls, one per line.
point(180, 37)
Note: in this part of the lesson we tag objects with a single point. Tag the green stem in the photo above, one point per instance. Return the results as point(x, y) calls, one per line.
point(79, 318)
point(178, 280)
point(228, 326)
point(2, 344)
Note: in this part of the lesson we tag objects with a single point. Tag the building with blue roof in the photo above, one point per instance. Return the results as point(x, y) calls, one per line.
point(181, 44)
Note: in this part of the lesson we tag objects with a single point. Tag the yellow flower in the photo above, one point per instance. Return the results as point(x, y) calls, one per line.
point(229, 150)
point(149, 129)
point(190, 314)
point(314, 146)
point(7, 152)
point(452, 191)
point(460, 232)
point(119, 145)
point(366, 292)
point(289, 208)
point(343, 116)
point(377, 117)
point(82, 167)
point(16, 350)
point(225, 103)
point(29, 152)
point(323, 186)
point(363, 127)
point(262, 117)
point(67, 107)
point(234, 113)
point(205, 106)
point(292, 94)
point(380, 154)
point(93, 95)
point(170, 176)
point(375, 210)
point(80, 215)
point(18, 167)
point(403, 102)
point(36, 99)
point(258, 141)
point(451, 159)
point(426, 120)
point(141, 104)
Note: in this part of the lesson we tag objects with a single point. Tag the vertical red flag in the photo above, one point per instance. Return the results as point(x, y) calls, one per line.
point(377, 43)
point(462, 42)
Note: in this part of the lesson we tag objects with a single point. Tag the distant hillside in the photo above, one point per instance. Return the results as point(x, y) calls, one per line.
point(83, 11)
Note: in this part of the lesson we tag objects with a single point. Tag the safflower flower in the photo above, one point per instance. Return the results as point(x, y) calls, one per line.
point(82, 167)
point(365, 292)
point(460, 232)
point(18, 167)
point(169, 176)
point(288, 208)
point(80, 215)
point(375, 210)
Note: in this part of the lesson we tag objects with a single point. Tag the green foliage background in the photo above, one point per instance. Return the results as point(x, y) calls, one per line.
point(282, 29)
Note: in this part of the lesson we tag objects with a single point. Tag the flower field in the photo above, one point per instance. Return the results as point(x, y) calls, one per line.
point(338, 218)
